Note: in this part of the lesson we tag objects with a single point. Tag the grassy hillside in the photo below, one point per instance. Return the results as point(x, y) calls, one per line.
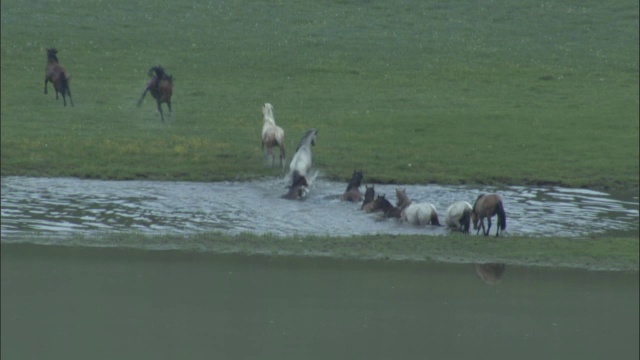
point(515, 92)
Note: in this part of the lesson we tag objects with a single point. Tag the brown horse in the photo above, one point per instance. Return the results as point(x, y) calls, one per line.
point(486, 206)
point(161, 87)
point(369, 197)
point(58, 76)
point(390, 211)
point(272, 135)
point(353, 188)
point(298, 188)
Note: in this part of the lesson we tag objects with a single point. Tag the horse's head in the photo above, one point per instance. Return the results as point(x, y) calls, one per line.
point(356, 180)
point(380, 203)
point(402, 198)
point(158, 70)
point(267, 112)
point(474, 219)
point(369, 193)
point(51, 54)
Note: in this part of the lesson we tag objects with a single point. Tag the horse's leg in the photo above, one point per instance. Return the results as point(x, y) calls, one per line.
point(160, 111)
point(488, 226)
point(45, 85)
point(169, 105)
point(142, 97)
point(70, 99)
point(64, 98)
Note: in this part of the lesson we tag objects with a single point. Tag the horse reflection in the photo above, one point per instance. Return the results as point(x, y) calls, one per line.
point(491, 273)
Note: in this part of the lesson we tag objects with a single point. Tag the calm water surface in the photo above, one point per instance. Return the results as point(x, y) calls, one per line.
point(97, 303)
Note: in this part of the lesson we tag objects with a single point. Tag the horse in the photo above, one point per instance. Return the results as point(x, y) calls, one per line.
point(491, 274)
point(58, 76)
point(459, 216)
point(389, 211)
point(301, 161)
point(369, 197)
point(298, 188)
point(272, 135)
point(416, 213)
point(353, 188)
point(161, 87)
point(486, 206)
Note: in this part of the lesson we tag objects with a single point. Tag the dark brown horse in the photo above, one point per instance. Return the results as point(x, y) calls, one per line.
point(161, 87)
point(298, 188)
point(486, 206)
point(369, 197)
point(57, 75)
point(390, 211)
point(353, 188)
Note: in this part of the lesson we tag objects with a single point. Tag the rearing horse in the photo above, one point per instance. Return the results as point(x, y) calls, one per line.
point(58, 76)
point(301, 162)
point(161, 87)
point(486, 206)
point(272, 135)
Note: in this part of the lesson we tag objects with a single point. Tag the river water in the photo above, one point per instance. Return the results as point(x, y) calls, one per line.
point(67, 206)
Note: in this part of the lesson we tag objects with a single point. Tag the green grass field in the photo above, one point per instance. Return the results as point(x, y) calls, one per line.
point(502, 92)
point(411, 92)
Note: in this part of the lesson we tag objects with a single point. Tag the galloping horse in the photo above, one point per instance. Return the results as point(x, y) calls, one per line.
point(390, 211)
point(353, 188)
point(301, 162)
point(486, 206)
point(161, 87)
point(272, 135)
point(58, 76)
point(459, 216)
point(298, 188)
point(369, 197)
point(416, 213)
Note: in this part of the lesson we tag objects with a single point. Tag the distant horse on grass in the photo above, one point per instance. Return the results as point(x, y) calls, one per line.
point(369, 197)
point(416, 213)
point(57, 75)
point(161, 87)
point(302, 159)
point(389, 211)
point(459, 216)
point(486, 206)
point(272, 135)
point(353, 188)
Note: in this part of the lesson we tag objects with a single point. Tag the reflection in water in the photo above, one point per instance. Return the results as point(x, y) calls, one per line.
point(64, 206)
point(490, 273)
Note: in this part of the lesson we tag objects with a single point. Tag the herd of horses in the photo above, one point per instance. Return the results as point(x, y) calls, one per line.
point(160, 84)
point(459, 216)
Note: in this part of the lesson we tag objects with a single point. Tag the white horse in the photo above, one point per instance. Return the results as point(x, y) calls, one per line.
point(459, 216)
point(302, 160)
point(272, 135)
point(416, 213)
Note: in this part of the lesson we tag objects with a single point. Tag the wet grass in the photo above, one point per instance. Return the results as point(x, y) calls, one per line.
point(416, 92)
point(594, 253)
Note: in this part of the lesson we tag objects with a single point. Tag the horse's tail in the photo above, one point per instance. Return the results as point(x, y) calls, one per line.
point(502, 217)
point(434, 217)
point(465, 220)
point(64, 83)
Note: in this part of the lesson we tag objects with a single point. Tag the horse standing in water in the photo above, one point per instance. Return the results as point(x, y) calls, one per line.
point(459, 216)
point(298, 188)
point(416, 213)
point(272, 135)
point(161, 87)
point(369, 197)
point(58, 76)
point(486, 206)
point(353, 188)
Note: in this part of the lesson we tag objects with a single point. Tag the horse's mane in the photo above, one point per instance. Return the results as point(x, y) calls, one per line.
point(356, 180)
point(305, 137)
point(476, 203)
point(159, 72)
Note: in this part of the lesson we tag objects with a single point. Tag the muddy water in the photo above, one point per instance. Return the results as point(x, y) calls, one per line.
point(64, 206)
point(61, 302)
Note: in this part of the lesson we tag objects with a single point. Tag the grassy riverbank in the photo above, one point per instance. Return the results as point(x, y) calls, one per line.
point(418, 92)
